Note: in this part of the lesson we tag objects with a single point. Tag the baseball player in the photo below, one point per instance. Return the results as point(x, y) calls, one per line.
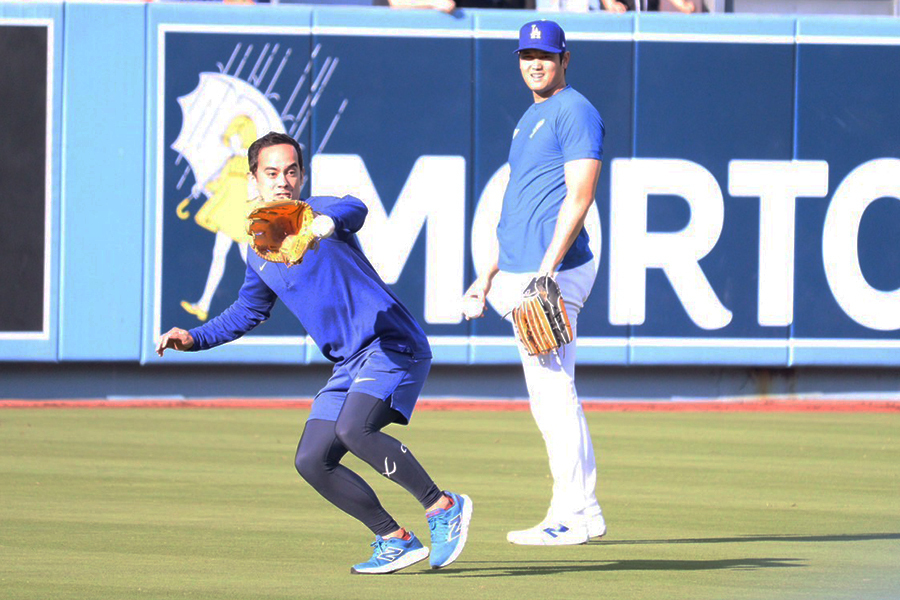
point(381, 358)
point(555, 159)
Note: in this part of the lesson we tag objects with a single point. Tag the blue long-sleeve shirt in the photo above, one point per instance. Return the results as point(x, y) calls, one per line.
point(335, 292)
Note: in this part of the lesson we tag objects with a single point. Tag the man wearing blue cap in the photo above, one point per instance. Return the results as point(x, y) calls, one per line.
point(555, 159)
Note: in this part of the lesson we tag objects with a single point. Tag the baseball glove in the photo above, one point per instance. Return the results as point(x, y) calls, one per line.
point(540, 319)
point(280, 231)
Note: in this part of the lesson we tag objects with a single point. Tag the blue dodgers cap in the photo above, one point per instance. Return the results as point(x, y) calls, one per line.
point(542, 35)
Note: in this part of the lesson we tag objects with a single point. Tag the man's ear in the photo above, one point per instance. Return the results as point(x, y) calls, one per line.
point(252, 189)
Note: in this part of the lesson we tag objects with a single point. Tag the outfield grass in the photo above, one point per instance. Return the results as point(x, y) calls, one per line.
point(181, 503)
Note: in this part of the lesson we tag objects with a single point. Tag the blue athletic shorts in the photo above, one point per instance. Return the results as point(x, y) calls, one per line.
point(387, 375)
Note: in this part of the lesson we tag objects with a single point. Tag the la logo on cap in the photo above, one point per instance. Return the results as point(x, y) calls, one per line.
point(535, 32)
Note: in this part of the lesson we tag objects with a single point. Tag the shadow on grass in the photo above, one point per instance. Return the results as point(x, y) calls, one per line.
point(522, 568)
point(863, 537)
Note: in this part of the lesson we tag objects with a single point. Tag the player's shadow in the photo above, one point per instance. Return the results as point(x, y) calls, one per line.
point(857, 537)
point(526, 568)
point(521, 567)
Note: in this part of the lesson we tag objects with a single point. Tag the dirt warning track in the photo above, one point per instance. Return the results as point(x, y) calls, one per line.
point(490, 405)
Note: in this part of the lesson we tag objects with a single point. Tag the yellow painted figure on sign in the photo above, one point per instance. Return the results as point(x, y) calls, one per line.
point(225, 211)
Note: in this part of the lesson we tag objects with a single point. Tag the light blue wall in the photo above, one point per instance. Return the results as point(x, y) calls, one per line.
point(103, 172)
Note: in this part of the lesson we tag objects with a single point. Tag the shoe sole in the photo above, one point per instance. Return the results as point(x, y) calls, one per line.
point(552, 542)
point(408, 559)
point(463, 534)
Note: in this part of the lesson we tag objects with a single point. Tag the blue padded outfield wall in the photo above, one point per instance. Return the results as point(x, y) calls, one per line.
point(747, 213)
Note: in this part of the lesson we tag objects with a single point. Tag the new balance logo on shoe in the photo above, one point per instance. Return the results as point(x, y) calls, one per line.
point(554, 532)
point(455, 527)
point(391, 553)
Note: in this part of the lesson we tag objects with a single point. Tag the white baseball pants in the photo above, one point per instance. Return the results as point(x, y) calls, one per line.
point(554, 402)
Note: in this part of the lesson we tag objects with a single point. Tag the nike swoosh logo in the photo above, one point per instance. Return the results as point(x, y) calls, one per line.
point(361, 379)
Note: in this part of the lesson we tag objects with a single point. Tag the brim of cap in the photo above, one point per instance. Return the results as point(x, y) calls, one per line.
point(544, 47)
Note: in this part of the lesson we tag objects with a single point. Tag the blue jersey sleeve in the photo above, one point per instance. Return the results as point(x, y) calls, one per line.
point(581, 131)
point(252, 307)
point(348, 213)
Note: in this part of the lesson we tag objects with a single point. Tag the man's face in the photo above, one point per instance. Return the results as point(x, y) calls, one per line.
point(278, 175)
point(544, 72)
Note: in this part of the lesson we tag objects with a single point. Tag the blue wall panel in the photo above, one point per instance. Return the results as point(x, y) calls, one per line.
point(711, 103)
point(847, 97)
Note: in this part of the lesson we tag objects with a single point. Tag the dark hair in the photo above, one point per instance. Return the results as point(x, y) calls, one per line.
point(273, 138)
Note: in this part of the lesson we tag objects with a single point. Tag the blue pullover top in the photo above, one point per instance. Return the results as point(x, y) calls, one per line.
point(335, 292)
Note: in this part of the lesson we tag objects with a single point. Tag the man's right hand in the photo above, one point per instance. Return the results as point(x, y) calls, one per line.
point(474, 300)
point(176, 339)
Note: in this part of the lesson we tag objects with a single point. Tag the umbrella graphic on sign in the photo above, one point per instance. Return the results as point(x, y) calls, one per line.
point(208, 112)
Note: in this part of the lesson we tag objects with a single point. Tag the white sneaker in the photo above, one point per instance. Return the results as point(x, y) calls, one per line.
point(550, 534)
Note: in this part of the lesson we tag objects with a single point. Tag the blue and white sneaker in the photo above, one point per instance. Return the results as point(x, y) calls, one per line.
point(449, 530)
point(392, 554)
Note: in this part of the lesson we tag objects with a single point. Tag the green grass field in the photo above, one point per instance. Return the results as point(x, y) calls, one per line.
point(181, 503)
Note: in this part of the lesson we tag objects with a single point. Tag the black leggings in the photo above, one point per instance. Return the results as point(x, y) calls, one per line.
point(358, 430)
